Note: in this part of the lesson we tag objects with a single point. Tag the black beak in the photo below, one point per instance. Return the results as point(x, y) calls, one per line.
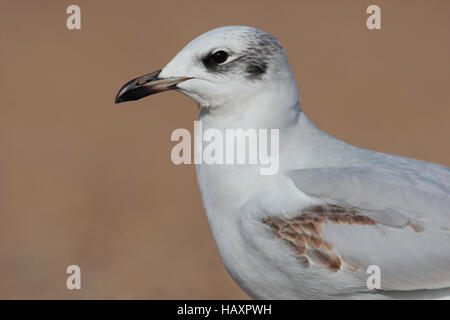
point(147, 85)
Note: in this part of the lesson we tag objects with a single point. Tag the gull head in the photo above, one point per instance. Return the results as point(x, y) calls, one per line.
point(224, 67)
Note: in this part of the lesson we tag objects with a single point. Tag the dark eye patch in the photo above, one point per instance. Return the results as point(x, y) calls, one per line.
point(249, 63)
point(253, 61)
point(256, 68)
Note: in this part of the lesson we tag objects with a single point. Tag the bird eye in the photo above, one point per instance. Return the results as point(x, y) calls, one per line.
point(219, 57)
point(214, 60)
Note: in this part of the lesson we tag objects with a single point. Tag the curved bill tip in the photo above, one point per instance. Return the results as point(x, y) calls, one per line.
point(146, 85)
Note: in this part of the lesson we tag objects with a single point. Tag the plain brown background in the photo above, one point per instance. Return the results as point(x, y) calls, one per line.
point(84, 181)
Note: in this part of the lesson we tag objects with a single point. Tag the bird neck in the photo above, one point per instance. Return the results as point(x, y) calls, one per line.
point(276, 107)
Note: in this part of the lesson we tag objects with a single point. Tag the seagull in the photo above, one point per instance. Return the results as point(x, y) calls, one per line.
point(332, 212)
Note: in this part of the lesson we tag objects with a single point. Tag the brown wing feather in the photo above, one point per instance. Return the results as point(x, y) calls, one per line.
point(305, 233)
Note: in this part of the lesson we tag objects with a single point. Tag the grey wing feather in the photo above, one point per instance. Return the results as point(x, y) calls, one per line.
point(421, 194)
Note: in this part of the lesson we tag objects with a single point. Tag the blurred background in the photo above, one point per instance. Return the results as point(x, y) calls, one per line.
point(84, 181)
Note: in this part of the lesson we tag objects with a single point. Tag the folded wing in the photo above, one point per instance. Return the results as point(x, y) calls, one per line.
point(397, 219)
